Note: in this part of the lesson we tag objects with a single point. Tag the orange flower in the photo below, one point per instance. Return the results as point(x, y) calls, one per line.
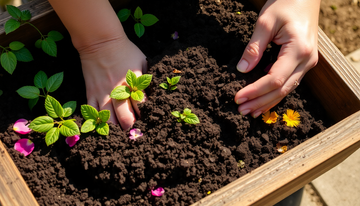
point(269, 118)
point(292, 118)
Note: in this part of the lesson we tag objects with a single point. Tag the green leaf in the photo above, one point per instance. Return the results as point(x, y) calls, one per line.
point(1, 92)
point(191, 119)
point(25, 15)
point(139, 29)
point(88, 126)
point(176, 113)
point(8, 61)
point(173, 88)
point(16, 45)
point(11, 25)
point(42, 124)
point(131, 78)
point(54, 82)
point(52, 136)
point(40, 80)
point(49, 46)
point(143, 81)
point(89, 112)
point(53, 107)
point(182, 116)
point(38, 43)
point(164, 86)
point(104, 115)
point(69, 128)
point(28, 92)
point(32, 102)
point(138, 13)
point(137, 95)
point(187, 111)
point(13, 11)
point(103, 129)
point(148, 19)
point(123, 14)
point(69, 108)
point(120, 93)
point(23, 55)
point(168, 80)
point(175, 80)
point(55, 35)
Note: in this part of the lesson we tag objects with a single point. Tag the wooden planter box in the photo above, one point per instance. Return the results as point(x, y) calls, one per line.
point(334, 81)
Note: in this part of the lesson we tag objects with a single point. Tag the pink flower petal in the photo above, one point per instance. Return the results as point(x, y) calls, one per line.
point(135, 133)
point(24, 146)
point(21, 126)
point(71, 141)
point(175, 35)
point(158, 192)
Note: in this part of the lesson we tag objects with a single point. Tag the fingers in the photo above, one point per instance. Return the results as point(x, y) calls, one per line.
point(124, 113)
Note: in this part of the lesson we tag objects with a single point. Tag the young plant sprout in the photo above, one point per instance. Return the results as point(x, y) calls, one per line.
point(46, 124)
point(186, 116)
point(141, 19)
point(16, 51)
point(41, 82)
point(46, 42)
point(136, 84)
point(171, 83)
point(95, 120)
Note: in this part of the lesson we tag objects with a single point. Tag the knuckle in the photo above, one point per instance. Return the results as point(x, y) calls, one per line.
point(278, 82)
point(285, 91)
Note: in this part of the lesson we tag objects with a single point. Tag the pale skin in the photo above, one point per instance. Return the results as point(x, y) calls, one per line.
point(107, 54)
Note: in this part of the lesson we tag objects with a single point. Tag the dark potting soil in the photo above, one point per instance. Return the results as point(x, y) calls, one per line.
point(186, 160)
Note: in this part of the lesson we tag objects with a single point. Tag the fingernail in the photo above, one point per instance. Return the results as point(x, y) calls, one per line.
point(245, 112)
point(242, 66)
point(241, 100)
point(256, 114)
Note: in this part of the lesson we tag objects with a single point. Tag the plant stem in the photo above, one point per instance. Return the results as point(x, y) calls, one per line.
point(3, 48)
point(42, 36)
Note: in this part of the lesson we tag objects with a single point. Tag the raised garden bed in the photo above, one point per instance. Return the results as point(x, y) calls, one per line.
point(170, 151)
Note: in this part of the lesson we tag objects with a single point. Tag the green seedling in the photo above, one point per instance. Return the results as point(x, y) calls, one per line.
point(95, 120)
point(186, 116)
point(136, 84)
point(41, 81)
point(45, 124)
point(171, 83)
point(141, 19)
point(46, 42)
point(15, 52)
point(241, 164)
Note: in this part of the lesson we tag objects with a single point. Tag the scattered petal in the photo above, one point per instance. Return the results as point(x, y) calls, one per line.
point(209, 192)
point(176, 71)
point(281, 148)
point(24, 146)
point(238, 12)
point(270, 118)
point(158, 192)
point(292, 118)
point(268, 67)
point(21, 126)
point(175, 35)
point(71, 141)
point(135, 133)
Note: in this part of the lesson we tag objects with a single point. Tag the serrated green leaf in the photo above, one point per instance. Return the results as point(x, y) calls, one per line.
point(148, 19)
point(131, 78)
point(120, 93)
point(143, 81)
point(69, 108)
point(69, 128)
point(42, 124)
point(88, 126)
point(49, 46)
point(54, 82)
point(53, 107)
point(168, 80)
point(138, 13)
point(32, 102)
point(173, 88)
point(89, 112)
point(13, 11)
point(187, 111)
point(40, 80)
point(191, 119)
point(16, 45)
point(103, 128)
point(38, 43)
point(25, 15)
point(55, 35)
point(104, 115)
point(11, 25)
point(23, 55)
point(8, 61)
point(175, 80)
point(164, 86)
point(123, 14)
point(137, 95)
point(28, 92)
point(52, 136)
point(139, 29)
point(176, 113)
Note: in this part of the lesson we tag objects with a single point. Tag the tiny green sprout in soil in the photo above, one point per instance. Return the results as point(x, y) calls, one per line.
point(187, 116)
point(171, 85)
point(95, 120)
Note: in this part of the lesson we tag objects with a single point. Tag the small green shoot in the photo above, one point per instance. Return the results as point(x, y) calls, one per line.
point(241, 164)
point(171, 83)
point(141, 19)
point(136, 84)
point(333, 7)
point(16, 51)
point(186, 116)
point(45, 124)
point(95, 120)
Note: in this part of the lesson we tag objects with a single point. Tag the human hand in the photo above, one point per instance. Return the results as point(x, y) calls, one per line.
point(294, 26)
point(104, 67)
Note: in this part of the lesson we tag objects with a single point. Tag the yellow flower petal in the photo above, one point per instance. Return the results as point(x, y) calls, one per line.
point(270, 118)
point(292, 118)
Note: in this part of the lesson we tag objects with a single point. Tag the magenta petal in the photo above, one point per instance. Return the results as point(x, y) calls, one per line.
point(21, 126)
point(71, 141)
point(158, 192)
point(24, 146)
point(135, 133)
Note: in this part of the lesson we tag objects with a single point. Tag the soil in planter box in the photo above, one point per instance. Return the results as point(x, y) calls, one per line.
point(188, 161)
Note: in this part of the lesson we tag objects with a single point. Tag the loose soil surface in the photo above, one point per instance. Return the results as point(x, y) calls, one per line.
point(188, 161)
